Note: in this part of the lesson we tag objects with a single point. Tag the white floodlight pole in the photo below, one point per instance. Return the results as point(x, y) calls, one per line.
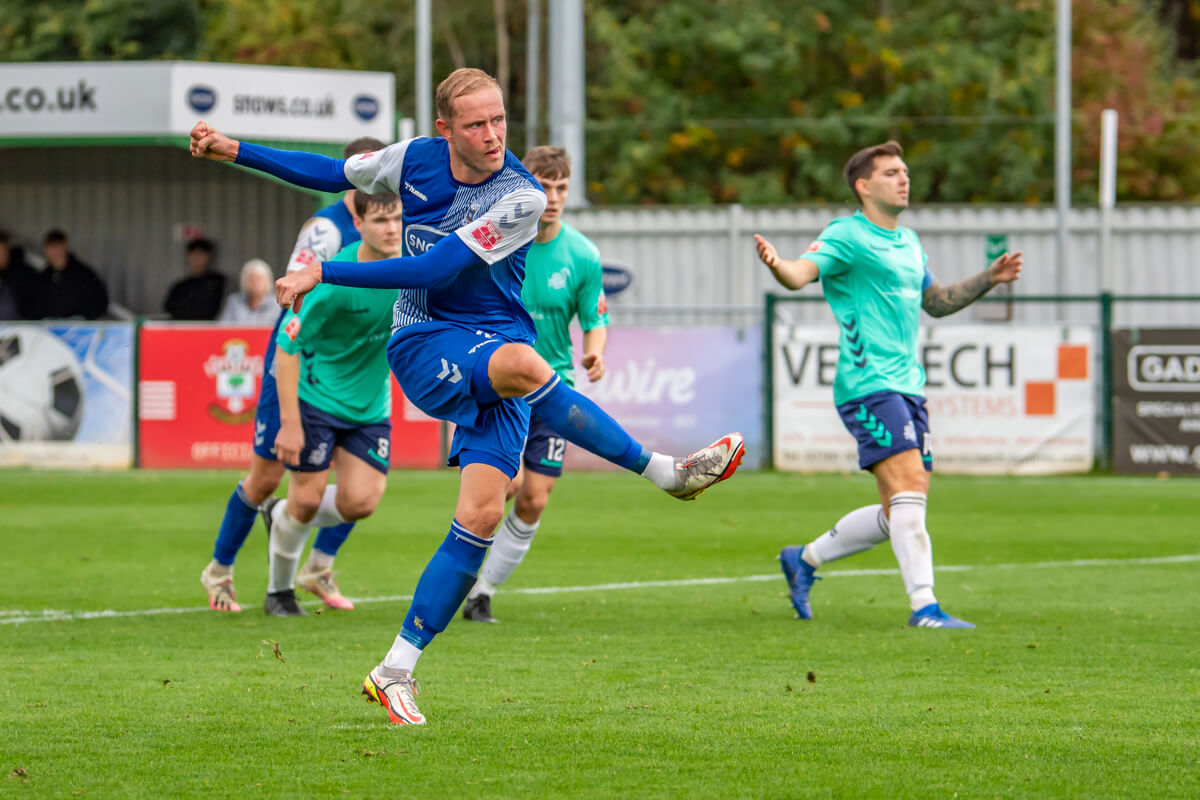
point(424, 68)
point(1108, 197)
point(533, 65)
point(1062, 140)
point(567, 90)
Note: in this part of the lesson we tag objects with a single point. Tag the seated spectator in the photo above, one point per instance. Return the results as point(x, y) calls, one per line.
point(255, 303)
point(67, 287)
point(199, 295)
point(17, 282)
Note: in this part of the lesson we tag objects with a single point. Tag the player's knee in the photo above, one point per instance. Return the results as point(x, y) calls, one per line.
point(261, 484)
point(356, 505)
point(532, 504)
point(303, 501)
point(481, 520)
point(517, 369)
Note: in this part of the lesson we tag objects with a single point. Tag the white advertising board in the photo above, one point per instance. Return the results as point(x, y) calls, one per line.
point(1002, 400)
point(166, 98)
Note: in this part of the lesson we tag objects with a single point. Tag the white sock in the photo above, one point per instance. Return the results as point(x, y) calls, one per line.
point(913, 549)
point(319, 561)
point(327, 513)
point(509, 547)
point(287, 543)
point(403, 655)
point(860, 530)
point(661, 471)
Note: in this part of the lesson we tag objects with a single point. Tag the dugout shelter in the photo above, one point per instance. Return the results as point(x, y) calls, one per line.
point(100, 151)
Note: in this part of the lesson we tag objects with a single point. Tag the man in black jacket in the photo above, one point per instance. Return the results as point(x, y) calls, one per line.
point(17, 281)
point(198, 296)
point(67, 287)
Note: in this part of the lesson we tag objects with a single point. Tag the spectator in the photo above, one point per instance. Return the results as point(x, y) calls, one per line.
point(199, 295)
point(67, 287)
point(17, 282)
point(255, 303)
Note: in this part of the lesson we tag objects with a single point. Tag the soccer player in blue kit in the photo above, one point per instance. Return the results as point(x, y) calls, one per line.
point(461, 346)
point(321, 237)
point(876, 279)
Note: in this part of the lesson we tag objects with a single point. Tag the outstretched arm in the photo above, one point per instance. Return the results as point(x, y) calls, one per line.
point(308, 170)
point(792, 274)
point(941, 300)
point(445, 259)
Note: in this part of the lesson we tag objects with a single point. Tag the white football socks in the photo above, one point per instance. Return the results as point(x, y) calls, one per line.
point(860, 530)
point(512, 542)
point(912, 546)
point(403, 656)
point(287, 543)
point(661, 471)
point(327, 513)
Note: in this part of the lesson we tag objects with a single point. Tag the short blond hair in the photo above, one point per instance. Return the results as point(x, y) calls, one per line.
point(466, 80)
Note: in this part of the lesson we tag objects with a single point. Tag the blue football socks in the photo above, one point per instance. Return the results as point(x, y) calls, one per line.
point(444, 584)
point(235, 527)
point(330, 540)
point(580, 421)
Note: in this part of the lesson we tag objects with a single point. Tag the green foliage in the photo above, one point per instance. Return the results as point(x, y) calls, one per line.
point(714, 101)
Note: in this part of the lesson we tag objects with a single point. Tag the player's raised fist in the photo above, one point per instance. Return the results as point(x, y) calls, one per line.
point(291, 288)
point(208, 142)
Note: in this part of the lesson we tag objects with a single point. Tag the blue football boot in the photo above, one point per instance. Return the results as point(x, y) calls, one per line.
point(800, 577)
point(932, 616)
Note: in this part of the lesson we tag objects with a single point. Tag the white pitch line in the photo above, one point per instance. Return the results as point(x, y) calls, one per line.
point(17, 617)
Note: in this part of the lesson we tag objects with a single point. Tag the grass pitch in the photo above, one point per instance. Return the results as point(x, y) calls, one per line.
point(1081, 681)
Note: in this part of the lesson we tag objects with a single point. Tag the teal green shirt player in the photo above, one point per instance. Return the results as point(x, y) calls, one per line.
point(341, 334)
point(874, 279)
point(563, 279)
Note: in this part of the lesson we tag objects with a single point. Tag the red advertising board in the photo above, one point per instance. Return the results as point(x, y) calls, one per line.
point(197, 389)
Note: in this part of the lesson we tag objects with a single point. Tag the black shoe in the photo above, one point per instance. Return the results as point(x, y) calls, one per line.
point(283, 604)
point(479, 609)
point(265, 511)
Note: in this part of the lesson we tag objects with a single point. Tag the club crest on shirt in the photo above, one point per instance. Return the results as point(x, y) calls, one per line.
point(558, 280)
point(487, 234)
point(471, 212)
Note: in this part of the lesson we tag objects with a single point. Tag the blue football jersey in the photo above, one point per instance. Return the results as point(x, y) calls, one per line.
point(497, 219)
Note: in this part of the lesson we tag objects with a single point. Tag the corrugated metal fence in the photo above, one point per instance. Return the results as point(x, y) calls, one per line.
point(698, 266)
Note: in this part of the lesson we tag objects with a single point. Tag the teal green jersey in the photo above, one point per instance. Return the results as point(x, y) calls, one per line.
point(563, 279)
point(341, 334)
point(874, 280)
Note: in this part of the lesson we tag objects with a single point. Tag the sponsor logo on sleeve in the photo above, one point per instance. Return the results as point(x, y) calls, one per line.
point(487, 234)
point(305, 257)
point(602, 304)
point(292, 329)
point(814, 247)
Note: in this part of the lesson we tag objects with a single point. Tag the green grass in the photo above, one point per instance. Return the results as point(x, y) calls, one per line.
point(1081, 681)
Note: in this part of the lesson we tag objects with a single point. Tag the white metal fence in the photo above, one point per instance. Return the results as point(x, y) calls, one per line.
point(698, 266)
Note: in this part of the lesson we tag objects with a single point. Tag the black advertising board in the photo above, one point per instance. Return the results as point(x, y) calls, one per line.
point(1156, 400)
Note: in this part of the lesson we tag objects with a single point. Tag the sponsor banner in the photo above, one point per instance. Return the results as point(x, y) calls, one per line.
point(1011, 399)
point(65, 394)
point(198, 388)
point(288, 103)
point(1156, 400)
point(166, 98)
point(677, 390)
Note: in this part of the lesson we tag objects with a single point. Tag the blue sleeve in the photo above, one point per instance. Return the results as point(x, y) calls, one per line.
point(308, 170)
point(928, 280)
point(445, 259)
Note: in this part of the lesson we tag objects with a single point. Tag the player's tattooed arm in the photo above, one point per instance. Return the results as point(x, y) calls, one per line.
point(941, 300)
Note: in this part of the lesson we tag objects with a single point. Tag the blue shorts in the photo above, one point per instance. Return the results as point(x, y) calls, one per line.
point(544, 449)
point(266, 414)
point(442, 368)
point(887, 423)
point(323, 432)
